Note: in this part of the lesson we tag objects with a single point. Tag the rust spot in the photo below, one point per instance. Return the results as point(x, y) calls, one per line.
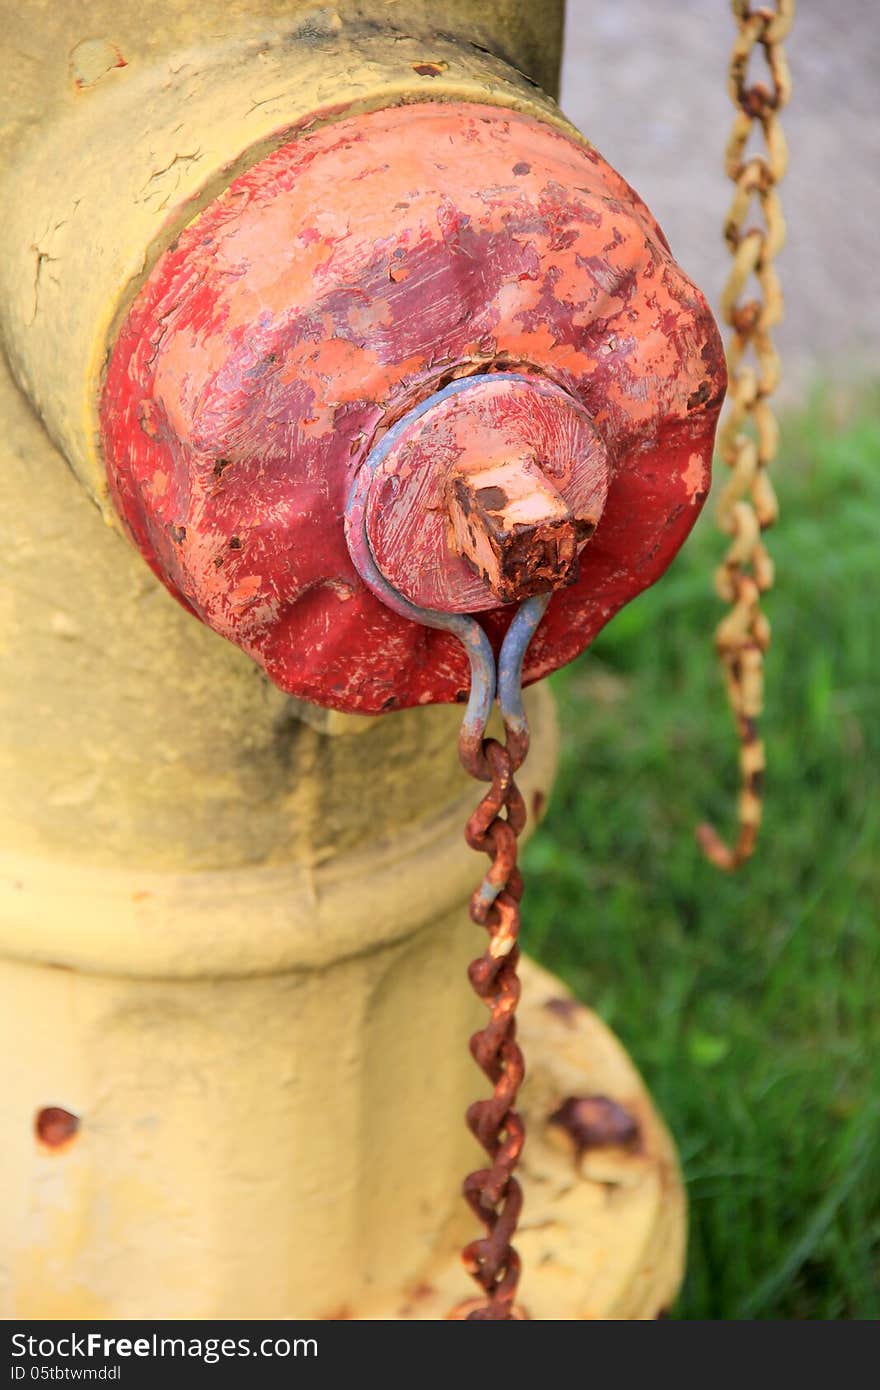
point(178, 533)
point(492, 498)
point(512, 527)
point(235, 542)
point(539, 801)
point(700, 396)
point(147, 420)
point(219, 465)
point(429, 69)
point(564, 1008)
point(522, 168)
point(596, 1122)
point(474, 1310)
point(55, 1127)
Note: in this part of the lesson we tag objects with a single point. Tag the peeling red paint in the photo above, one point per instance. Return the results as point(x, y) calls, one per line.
point(331, 288)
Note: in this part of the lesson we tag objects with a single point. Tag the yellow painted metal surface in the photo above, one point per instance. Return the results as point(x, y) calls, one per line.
point(232, 939)
point(267, 1147)
point(107, 160)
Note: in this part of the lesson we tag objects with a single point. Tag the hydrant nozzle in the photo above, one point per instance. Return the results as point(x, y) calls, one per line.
point(484, 494)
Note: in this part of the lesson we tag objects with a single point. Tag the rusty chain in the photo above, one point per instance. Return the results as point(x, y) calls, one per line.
point(748, 439)
point(493, 1193)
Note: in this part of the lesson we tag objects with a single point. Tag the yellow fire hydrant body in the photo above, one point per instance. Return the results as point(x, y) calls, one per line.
point(232, 927)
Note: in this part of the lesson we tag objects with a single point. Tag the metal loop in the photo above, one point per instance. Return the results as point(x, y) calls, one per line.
point(483, 675)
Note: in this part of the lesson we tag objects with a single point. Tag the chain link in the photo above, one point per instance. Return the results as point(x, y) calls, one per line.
point(748, 439)
point(493, 1193)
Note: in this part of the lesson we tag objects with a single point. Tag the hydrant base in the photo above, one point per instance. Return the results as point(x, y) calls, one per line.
point(604, 1225)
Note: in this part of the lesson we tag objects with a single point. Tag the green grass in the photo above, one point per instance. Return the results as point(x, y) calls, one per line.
point(750, 1003)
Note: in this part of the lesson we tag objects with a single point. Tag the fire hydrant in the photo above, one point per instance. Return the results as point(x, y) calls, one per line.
point(295, 290)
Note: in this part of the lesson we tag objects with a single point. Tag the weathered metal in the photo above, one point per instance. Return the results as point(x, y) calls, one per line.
point(482, 352)
point(283, 333)
point(200, 908)
point(748, 440)
point(513, 528)
point(494, 1193)
point(55, 1127)
point(596, 1122)
point(500, 429)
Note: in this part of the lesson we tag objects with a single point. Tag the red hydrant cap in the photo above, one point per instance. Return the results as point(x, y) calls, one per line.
point(334, 289)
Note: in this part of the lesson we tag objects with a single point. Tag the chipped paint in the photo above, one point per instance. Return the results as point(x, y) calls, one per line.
point(284, 341)
point(92, 59)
